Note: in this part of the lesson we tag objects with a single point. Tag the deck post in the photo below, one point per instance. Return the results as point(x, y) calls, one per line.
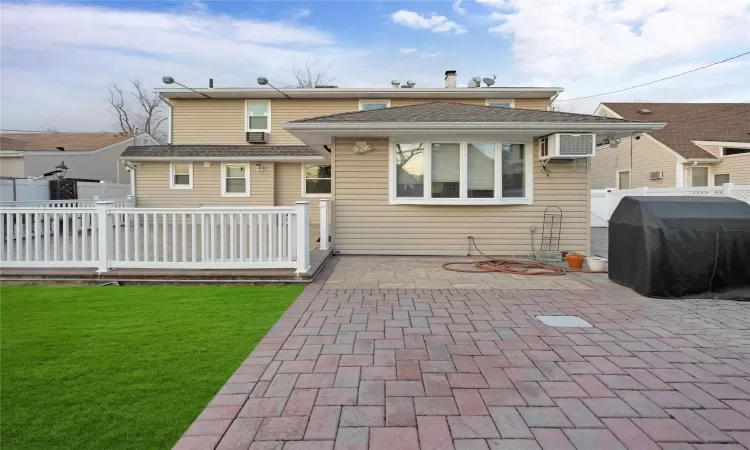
point(303, 236)
point(324, 223)
point(106, 235)
point(726, 189)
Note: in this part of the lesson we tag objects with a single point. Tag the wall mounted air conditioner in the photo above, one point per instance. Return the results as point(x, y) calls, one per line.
point(656, 175)
point(567, 146)
point(255, 137)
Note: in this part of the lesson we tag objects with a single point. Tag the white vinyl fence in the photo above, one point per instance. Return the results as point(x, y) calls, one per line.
point(604, 201)
point(111, 237)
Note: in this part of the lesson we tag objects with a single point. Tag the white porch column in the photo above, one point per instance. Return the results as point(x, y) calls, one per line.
point(303, 235)
point(106, 234)
point(324, 223)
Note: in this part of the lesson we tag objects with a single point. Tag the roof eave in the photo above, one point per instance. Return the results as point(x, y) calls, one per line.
point(225, 158)
point(359, 93)
point(326, 127)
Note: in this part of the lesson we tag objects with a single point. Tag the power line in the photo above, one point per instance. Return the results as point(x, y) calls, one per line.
point(657, 81)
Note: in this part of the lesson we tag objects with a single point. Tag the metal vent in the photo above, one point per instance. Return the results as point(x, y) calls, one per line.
point(656, 175)
point(255, 137)
point(576, 144)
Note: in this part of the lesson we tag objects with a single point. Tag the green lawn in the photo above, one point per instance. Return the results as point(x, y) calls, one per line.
point(121, 367)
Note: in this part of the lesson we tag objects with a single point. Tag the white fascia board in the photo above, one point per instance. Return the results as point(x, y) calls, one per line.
point(724, 144)
point(10, 154)
point(461, 126)
point(679, 157)
point(703, 160)
point(228, 158)
point(357, 93)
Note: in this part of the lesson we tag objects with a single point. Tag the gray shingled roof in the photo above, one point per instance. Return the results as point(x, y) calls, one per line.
point(457, 112)
point(161, 151)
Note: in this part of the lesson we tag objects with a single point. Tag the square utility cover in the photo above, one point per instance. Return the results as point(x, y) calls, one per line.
point(564, 321)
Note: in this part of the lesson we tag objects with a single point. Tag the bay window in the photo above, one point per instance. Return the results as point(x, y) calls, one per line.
point(460, 172)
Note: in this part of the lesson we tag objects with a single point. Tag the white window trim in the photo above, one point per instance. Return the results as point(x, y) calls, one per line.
point(224, 192)
point(172, 174)
point(500, 100)
point(463, 200)
point(247, 116)
point(617, 178)
point(304, 179)
point(709, 180)
point(362, 102)
point(713, 178)
point(742, 146)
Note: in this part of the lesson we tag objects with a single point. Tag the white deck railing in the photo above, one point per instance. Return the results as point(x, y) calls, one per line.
point(109, 237)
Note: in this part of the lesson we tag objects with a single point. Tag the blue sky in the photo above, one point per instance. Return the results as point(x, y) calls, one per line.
point(57, 58)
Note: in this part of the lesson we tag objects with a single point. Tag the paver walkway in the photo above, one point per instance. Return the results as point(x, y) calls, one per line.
point(474, 369)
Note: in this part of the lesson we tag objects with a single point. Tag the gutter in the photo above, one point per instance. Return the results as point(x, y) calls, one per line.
point(702, 160)
point(461, 126)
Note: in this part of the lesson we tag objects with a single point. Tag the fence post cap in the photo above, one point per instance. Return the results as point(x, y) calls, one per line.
point(105, 202)
point(302, 202)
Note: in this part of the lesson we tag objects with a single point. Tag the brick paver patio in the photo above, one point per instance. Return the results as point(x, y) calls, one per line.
point(467, 369)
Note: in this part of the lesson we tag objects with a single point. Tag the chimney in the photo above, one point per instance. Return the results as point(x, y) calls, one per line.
point(450, 79)
point(211, 83)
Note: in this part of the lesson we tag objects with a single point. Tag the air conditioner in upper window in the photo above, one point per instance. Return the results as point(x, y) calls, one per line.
point(255, 137)
point(656, 175)
point(567, 146)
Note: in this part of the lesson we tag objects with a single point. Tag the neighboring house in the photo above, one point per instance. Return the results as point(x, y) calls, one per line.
point(410, 171)
point(91, 156)
point(703, 144)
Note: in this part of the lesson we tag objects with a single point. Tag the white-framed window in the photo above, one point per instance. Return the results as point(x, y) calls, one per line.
point(734, 151)
point(258, 116)
point(369, 105)
point(235, 180)
point(699, 176)
point(181, 175)
point(721, 178)
point(316, 180)
point(623, 179)
point(500, 103)
point(460, 171)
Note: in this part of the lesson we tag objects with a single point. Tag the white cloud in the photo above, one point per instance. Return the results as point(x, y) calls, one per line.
point(57, 59)
point(432, 22)
point(591, 46)
point(407, 50)
point(457, 8)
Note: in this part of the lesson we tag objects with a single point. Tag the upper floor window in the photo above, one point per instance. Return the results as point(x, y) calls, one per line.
point(181, 175)
point(500, 103)
point(235, 180)
point(731, 151)
point(317, 180)
point(369, 105)
point(460, 172)
point(258, 116)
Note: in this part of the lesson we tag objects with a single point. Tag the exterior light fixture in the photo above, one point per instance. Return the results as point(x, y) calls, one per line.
point(169, 80)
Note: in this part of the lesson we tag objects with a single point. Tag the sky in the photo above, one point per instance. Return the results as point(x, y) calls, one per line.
point(58, 58)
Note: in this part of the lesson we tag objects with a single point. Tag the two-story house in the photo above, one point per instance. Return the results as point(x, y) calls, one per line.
point(703, 144)
point(413, 171)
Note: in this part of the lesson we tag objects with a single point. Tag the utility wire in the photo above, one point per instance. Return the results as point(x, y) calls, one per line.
point(656, 81)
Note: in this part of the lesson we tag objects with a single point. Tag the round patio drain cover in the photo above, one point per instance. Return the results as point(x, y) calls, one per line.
point(564, 321)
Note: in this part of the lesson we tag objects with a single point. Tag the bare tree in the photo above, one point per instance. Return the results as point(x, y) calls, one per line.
point(137, 111)
point(310, 76)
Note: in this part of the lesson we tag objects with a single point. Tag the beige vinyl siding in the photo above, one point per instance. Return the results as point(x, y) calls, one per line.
point(289, 189)
point(152, 187)
point(738, 167)
point(12, 167)
point(366, 223)
point(223, 121)
point(648, 156)
point(541, 104)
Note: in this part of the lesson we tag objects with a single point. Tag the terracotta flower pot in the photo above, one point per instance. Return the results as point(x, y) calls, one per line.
point(575, 261)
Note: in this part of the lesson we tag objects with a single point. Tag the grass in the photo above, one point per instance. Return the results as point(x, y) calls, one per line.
point(121, 367)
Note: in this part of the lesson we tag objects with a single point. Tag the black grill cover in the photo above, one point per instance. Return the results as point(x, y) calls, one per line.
point(672, 247)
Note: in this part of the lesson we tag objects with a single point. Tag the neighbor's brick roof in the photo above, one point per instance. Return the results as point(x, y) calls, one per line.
point(72, 142)
point(686, 122)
